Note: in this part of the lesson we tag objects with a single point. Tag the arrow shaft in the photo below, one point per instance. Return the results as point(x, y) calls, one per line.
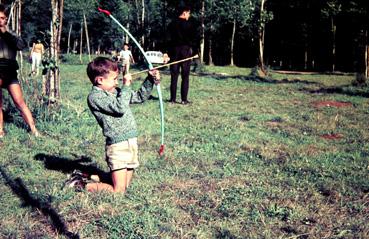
point(168, 64)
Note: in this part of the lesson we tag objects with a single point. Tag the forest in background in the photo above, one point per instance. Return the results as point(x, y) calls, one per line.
point(314, 35)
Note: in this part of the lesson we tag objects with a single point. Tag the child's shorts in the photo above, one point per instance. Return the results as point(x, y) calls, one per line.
point(122, 155)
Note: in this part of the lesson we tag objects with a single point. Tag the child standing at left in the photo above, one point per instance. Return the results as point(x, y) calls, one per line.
point(9, 45)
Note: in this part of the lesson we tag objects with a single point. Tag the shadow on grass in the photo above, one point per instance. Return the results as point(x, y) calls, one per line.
point(258, 79)
point(66, 165)
point(19, 189)
point(343, 90)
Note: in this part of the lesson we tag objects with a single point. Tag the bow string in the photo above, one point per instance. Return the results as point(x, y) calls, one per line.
point(150, 66)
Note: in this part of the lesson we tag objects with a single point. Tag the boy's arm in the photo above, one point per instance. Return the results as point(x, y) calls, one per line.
point(144, 92)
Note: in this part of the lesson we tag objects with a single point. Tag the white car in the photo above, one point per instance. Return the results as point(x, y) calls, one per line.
point(155, 57)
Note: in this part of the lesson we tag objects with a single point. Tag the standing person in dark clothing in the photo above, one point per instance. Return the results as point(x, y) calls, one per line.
point(9, 45)
point(182, 38)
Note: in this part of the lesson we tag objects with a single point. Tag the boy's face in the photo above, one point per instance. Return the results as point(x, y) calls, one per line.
point(186, 14)
point(3, 19)
point(125, 47)
point(108, 82)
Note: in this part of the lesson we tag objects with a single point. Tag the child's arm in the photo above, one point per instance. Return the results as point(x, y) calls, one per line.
point(144, 92)
point(12, 39)
point(132, 59)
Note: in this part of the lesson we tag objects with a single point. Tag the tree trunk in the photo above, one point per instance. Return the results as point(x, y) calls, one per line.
point(81, 44)
point(126, 40)
point(87, 38)
point(232, 42)
point(60, 27)
point(211, 63)
point(261, 38)
point(202, 41)
point(333, 25)
point(53, 77)
point(366, 55)
point(75, 45)
point(306, 58)
point(143, 23)
point(15, 26)
point(69, 33)
point(19, 30)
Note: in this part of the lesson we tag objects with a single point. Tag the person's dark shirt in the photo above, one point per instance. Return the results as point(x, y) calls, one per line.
point(182, 33)
point(9, 45)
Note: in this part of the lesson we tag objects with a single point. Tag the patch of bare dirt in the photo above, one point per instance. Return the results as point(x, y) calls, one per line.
point(332, 136)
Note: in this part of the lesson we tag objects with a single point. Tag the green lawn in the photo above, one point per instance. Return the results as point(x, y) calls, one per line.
point(246, 160)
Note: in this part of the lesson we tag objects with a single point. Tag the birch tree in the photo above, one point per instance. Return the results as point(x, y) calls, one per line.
point(331, 10)
point(82, 10)
point(237, 13)
point(51, 80)
point(260, 18)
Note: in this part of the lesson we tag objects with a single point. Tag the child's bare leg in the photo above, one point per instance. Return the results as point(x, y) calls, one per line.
point(119, 179)
point(17, 96)
point(96, 187)
point(129, 176)
point(127, 68)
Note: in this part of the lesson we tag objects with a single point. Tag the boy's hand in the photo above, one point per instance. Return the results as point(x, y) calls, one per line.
point(127, 80)
point(155, 74)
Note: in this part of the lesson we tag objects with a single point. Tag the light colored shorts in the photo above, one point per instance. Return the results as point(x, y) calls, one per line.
point(126, 62)
point(122, 155)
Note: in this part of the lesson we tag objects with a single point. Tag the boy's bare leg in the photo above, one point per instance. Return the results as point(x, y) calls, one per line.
point(129, 177)
point(96, 187)
point(119, 179)
point(17, 96)
point(124, 69)
point(127, 68)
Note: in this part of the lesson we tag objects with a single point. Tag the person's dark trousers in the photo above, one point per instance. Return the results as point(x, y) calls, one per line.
point(180, 52)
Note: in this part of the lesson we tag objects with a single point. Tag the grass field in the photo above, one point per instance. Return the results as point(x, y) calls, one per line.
point(246, 160)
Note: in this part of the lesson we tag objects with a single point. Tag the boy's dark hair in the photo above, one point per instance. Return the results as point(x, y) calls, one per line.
point(183, 8)
point(3, 9)
point(99, 67)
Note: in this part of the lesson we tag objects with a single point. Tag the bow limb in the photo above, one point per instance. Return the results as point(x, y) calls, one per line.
point(150, 66)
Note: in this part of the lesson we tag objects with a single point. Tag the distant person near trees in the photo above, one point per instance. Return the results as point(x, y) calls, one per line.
point(126, 57)
point(36, 56)
point(183, 38)
point(9, 45)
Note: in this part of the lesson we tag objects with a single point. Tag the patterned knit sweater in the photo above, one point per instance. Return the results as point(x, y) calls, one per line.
point(113, 113)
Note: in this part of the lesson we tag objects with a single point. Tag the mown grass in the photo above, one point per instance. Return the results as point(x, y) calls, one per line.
point(245, 160)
